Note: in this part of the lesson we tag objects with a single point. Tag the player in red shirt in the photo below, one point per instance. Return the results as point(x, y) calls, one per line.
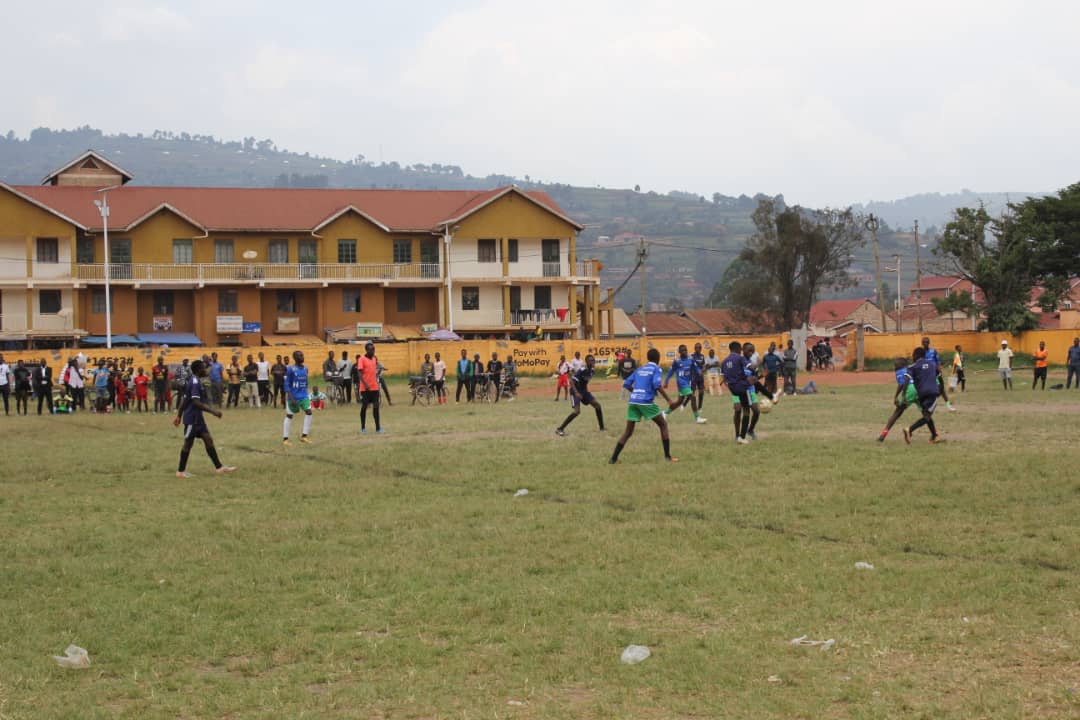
point(142, 386)
point(121, 395)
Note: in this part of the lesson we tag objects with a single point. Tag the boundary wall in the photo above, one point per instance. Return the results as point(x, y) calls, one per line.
point(890, 345)
point(539, 358)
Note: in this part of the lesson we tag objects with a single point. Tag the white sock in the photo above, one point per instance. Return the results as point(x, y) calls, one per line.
point(307, 424)
point(288, 422)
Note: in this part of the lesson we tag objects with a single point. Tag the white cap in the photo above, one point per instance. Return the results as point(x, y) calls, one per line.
point(1004, 342)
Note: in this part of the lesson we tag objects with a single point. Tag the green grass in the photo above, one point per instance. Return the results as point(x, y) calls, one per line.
point(399, 577)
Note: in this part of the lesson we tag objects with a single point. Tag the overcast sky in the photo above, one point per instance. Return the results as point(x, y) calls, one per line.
point(828, 102)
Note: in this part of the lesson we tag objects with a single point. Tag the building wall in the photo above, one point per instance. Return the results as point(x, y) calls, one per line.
point(489, 314)
point(373, 306)
point(23, 222)
point(13, 309)
point(427, 307)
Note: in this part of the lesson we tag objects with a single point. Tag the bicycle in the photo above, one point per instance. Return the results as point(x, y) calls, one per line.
point(483, 391)
point(423, 390)
point(335, 392)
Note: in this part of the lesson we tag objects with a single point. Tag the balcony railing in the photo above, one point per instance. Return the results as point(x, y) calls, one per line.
point(552, 269)
point(539, 315)
point(13, 322)
point(258, 272)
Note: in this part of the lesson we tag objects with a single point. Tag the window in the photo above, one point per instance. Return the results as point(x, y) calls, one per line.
point(181, 252)
point(286, 301)
point(307, 252)
point(48, 302)
point(470, 298)
point(542, 297)
point(48, 250)
point(228, 301)
point(279, 251)
point(549, 249)
point(223, 251)
point(403, 251)
point(350, 300)
point(163, 302)
point(406, 300)
point(84, 250)
point(120, 257)
point(346, 251)
point(485, 251)
point(515, 298)
point(512, 250)
point(97, 301)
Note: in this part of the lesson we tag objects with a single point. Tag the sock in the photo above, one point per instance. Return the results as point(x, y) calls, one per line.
point(916, 425)
point(667, 447)
point(307, 424)
point(285, 431)
point(753, 421)
point(569, 419)
point(600, 418)
point(212, 452)
point(618, 449)
point(183, 460)
point(695, 414)
point(363, 416)
point(933, 429)
point(375, 414)
point(884, 432)
point(745, 425)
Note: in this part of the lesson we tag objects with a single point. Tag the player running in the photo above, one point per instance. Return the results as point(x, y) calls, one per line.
point(924, 375)
point(904, 396)
point(931, 354)
point(297, 397)
point(580, 395)
point(687, 378)
point(734, 369)
point(190, 411)
point(643, 385)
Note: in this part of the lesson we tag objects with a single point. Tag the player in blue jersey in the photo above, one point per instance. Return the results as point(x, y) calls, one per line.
point(190, 411)
point(297, 397)
point(734, 368)
point(932, 356)
point(904, 397)
point(580, 395)
point(643, 385)
point(924, 376)
point(699, 383)
point(687, 376)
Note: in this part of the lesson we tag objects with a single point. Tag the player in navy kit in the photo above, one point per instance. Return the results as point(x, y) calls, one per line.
point(580, 395)
point(924, 375)
point(297, 397)
point(687, 377)
point(643, 385)
point(699, 384)
point(734, 369)
point(190, 412)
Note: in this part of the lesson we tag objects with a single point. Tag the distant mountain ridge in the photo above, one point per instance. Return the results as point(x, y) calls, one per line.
point(933, 210)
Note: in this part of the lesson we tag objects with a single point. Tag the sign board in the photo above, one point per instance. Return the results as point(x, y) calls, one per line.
point(369, 330)
point(163, 323)
point(252, 327)
point(230, 324)
point(288, 324)
point(429, 327)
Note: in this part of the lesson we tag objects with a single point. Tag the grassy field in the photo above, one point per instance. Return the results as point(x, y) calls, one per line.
point(398, 576)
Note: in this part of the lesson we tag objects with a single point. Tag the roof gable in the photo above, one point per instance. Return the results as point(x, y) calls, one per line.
point(541, 200)
point(92, 161)
point(42, 206)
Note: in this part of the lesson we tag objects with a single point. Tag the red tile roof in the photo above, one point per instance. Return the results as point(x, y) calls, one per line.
point(832, 312)
point(937, 282)
point(666, 323)
point(275, 209)
point(718, 321)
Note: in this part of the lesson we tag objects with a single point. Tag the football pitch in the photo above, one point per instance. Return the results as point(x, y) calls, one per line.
point(402, 576)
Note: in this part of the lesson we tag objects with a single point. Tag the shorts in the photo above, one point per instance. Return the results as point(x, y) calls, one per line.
point(910, 396)
point(684, 391)
point(928, 402)
point(564, 381)
point(586, 399)
point(1005, 373)
point(745, 398)
point(369, 397)
point(636, 412)
point(196, 430)
point(295, 407)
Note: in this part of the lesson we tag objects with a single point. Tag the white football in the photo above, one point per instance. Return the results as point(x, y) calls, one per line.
point(764, 404)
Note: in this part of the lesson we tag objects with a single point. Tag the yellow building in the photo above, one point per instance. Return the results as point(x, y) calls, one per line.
point(250, 265)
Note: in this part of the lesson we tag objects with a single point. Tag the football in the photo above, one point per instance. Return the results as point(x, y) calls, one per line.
point(765, 405)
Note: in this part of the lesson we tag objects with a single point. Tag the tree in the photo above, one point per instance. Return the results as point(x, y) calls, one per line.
point(955, 302)
point(794, 254)
point(1052, 224)
point(997, 257)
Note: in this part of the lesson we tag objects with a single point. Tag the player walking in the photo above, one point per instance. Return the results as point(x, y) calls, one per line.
point(643, 385)
point(296, 397)
point(190, 412)
point(580, 395)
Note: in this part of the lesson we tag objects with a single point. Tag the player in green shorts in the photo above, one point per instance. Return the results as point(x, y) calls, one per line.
point(643, 385)
point(904, 396)
point(297, 397)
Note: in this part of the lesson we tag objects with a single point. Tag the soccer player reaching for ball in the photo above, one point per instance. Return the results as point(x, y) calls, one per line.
point(643, 385)
point(924, 375)
point(296, 398)
point(190, 411)
point(734, 369)
point(905, 395)
point(687, 375)
point(580, 395)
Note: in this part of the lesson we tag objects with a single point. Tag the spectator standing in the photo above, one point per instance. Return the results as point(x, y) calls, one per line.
point(1072, 364)
point(5, 383)
point(21, 378)
point(958, 369)
point(563, 381)
point(367, 367)
point(43, 382)
point(217, 380)
point(789, 367)
point(251, 382)
point(263, 380)
point(712, 372)
point(277, 373)
point(329, 367)
point(181, 378)
point(159, 376)
point(235, 375)
point(101, 388)
point(1040, 356)
point(345, 370)
point(772, 362)
point(380, 371)
point(494, 369)
point(439, 378)
point(1005, 359)
point(464, 377)
point(510, 374)
point(142, 385)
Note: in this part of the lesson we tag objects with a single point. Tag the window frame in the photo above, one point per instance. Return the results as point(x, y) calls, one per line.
point(219, 246)
point(536, 297)
point(470, 292)
point(230, 307)
point(357, 304)
point(97, 301)
point(512, 250)
point(402, 294)
point(161, 295)
point(272, 246)
point(346, 247)
point(403, 252)
point(289, 295)
point(42, 294)
point(483, 245)
point(84, 251)
point(547, 243)
point(180, 243)
point(51, 246)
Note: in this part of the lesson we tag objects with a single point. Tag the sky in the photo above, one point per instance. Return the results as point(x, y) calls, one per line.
point(830, 102)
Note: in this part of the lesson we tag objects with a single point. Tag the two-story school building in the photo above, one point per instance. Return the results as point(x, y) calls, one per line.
point(253, 265)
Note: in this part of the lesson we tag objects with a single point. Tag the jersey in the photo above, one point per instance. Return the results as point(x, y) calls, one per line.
point(932, 356)
point(924, 373)
point(296, 382)
point(193, 390)
point(581, 378)
point(685, 370)
point(734, 369)
point(902, 376)
point(644, 383)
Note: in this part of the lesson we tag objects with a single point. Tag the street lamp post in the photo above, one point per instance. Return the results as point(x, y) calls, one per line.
point(103, 208)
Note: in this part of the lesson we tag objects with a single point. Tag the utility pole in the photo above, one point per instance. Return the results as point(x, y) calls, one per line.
point(899, 303)
point(872, 225)
point(643, 252)
point(918, 277)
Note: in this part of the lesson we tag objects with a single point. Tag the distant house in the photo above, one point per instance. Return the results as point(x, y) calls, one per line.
point(920, 304)
point(667, 323)
point(1067, 314)
point(829, 318)
point(718, 321)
